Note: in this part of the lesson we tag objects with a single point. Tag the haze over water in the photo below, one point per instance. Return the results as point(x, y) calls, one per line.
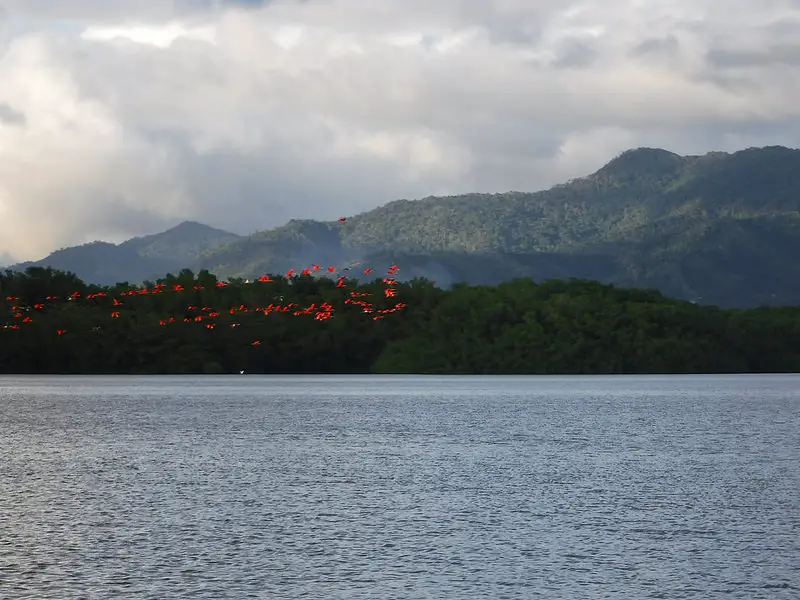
point(400, 487)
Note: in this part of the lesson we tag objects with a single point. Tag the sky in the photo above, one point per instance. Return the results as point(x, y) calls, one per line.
point(121, 118)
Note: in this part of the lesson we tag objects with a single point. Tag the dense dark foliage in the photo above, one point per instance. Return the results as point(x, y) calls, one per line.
point(576, 326)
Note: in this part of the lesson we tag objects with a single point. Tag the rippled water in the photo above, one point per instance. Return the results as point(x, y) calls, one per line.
point(407, 487)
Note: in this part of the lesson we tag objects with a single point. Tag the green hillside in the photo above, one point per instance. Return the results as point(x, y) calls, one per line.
point(137, 259)
point(720, 229)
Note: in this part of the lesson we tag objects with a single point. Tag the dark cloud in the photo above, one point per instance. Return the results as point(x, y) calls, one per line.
point(205, 5)
point(119, 9)
point(244, 193)
point(776, 54)
point(659, 47)
point(785, 29)
point(575, 54)
point(11, 116)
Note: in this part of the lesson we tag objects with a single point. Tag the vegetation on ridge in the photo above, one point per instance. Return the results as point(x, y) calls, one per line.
point(720, 229)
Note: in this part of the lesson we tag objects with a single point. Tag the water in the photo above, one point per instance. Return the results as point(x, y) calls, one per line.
point(405, 487)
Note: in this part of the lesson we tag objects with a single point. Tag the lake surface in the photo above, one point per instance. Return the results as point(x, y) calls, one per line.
point(400, 487)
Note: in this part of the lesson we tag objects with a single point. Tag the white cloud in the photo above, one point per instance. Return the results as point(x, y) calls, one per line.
point(115, 122)
point(161, 36)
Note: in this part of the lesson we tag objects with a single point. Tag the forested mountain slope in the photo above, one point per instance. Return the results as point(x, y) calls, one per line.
point(719, 228)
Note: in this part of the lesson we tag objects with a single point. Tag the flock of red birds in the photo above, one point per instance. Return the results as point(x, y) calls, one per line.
point(22, 315)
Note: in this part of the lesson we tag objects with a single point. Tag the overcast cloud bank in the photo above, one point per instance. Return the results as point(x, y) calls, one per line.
point(242, 115)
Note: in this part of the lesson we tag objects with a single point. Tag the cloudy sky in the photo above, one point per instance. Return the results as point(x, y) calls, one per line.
point(125, 117)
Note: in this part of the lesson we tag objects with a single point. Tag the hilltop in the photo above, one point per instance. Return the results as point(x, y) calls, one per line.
point(137, 259)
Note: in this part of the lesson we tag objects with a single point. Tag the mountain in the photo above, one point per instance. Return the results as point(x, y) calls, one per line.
point(183, 244)
point(296, 244)
point(718, 228)
point(721, 228)
point(137, 259)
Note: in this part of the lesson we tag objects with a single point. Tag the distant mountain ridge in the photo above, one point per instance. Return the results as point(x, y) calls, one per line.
point(137, 259)
point(721, 228)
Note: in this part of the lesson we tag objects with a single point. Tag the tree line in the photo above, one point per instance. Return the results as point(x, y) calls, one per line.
point(47, 325)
